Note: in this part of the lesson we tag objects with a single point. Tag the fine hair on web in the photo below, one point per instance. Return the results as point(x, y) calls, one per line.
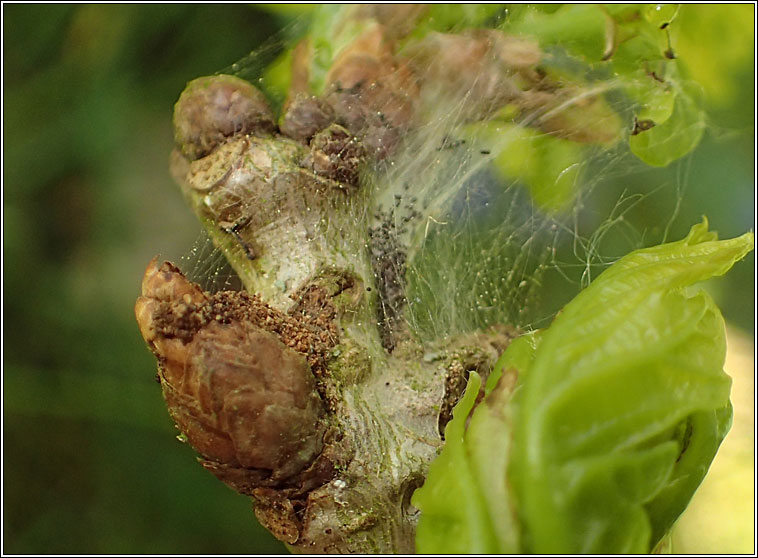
point(206, 265)
point(459, 246)
point(475, 244)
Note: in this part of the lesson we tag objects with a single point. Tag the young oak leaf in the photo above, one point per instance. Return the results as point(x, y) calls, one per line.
point(465, 503)
point(625, 403)
point(620, 407)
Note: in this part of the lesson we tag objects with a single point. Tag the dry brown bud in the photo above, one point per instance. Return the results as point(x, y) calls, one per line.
point(245, 400)
point(300, 74)
point(214, 108)
point(483, 65)
point(304, 116)
point(335, 154)
point(373, 93)
point(574, 114)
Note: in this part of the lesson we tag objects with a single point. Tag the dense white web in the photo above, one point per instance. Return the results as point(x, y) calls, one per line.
point(470, 246)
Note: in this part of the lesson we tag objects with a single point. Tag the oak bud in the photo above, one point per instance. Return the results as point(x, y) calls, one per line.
point(304, 116)
point(336, 154)
point(244, 400)
point(214, 108)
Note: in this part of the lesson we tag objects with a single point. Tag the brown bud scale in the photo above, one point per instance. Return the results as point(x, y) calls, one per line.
point(237, 377)
point(304, 116)
point(336, 154)
point(214, 108)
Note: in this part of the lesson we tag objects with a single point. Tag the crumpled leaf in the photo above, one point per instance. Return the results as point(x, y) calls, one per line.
point(631, 46)
point(579, 28)
point(625, 402)
point(674, 138)
point(518, 357)
point(655, 99)
point(465, 502)
point(619, 409)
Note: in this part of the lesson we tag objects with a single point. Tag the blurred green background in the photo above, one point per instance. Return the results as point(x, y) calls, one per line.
point(90, 463)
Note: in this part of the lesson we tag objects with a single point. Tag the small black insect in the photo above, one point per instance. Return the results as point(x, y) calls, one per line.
point(234, 230)
point(641, 126)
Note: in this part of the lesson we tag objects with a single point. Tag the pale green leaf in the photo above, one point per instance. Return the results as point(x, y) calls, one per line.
point(518, 357)
point(655, 99)
point(660, 14)
point(465, 505)
point(550, 167)
point(674, 138)
point(625, 402)
point(579, 28)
